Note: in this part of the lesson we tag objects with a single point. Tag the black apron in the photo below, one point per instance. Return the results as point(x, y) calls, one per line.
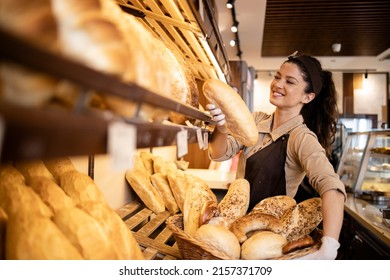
point(265, 171)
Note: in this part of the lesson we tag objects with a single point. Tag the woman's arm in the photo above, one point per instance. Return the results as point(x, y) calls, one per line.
point(333, 213)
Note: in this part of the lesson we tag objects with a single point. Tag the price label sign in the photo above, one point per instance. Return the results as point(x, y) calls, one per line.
point(122, 142)
point(182, 143)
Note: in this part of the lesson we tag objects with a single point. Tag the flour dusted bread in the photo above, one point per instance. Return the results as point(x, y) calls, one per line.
point(163, 166)
point(263, 245)
point(139, 181)
point(32, 237)
point(58, 166)
point(9, 174)
point(178, 182)
point(160, 182)
point(85, 233)
point(274, 205)
point(302, 219)
point(239, 120)
point(220, 238)
point(147, 160)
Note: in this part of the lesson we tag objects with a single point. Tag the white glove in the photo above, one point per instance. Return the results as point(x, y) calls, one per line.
point(327, 251)
point(218, 116)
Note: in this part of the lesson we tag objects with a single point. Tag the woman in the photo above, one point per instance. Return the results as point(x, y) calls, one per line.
point(294, 142)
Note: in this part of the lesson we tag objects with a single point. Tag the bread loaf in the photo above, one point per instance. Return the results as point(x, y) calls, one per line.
point(300, 243)
point(3, 227)
point(85, 233)
point(58, 166)
point(235, 203)
point(160, 182)
point(302, 219)
point(123, 241)
point(33, 237)
point(197, 195)
point(220, 238)
point(162, 166)
point(263, 245)
point(179, 186)
point(140, 183)
point(274, 205)
point(255, 222)
point(239, 120)
point(9, 174)
point(50, 193)
point(147, 160)
point(34, 168)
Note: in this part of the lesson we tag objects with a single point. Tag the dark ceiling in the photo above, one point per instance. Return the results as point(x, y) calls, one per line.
point(312, 26)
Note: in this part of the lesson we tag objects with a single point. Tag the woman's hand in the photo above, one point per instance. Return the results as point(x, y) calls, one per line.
point(218, 116)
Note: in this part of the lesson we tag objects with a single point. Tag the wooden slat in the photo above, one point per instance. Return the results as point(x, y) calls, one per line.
point(128, 208)
point(138, 218)
point(154, 223)
point(163, 248)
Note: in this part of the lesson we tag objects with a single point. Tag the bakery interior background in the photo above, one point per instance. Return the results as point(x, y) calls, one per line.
point(268, 31)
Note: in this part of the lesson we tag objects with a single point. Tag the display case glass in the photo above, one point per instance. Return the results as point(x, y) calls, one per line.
point(365, 161)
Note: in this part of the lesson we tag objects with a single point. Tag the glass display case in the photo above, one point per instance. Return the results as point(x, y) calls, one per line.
point(365, 162)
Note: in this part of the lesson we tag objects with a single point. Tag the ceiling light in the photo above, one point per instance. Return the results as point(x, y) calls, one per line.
point(234, 27)
point(229, 4)
point(232, 43)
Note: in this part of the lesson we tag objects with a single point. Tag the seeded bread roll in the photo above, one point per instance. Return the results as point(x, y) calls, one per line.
point(275, 205)
point(263, 245)
point(302, 219)
point(239, 120)
point(139, 181)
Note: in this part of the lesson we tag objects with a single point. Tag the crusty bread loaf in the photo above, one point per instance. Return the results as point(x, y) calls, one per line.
point(255, 222)
point(163, 166)
point(9, 174)
point(3, 226)
point(50, 193)
point(239, 119)
point(34, 168)
point(160, 182)
point(85, 233)
point(197, 195)
point(58, 166)
point(32, 237)
point(179, 186)
point(274, 205)
point(147, 159)
point(81, 188)
point(123, 241)
point(263, 245)
point(140, 183)
point(302, 219)
point(220, 238)
point(235, 203)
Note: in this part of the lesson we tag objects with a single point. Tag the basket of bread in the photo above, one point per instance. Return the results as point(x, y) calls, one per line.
point(276, 228)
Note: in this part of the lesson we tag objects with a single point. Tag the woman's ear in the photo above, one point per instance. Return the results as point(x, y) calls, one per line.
point(308, 97)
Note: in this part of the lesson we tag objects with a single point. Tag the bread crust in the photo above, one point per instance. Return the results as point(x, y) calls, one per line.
point(274, 205)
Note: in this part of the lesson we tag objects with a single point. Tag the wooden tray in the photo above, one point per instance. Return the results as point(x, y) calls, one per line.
point(155, 239)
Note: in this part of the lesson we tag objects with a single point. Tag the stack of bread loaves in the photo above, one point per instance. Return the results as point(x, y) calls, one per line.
point(53, 211)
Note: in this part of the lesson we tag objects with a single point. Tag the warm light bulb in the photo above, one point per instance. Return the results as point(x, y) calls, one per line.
point(232, 43)
point(234, 29)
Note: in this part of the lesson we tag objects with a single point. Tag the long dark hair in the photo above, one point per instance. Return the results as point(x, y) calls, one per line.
point(321, 114)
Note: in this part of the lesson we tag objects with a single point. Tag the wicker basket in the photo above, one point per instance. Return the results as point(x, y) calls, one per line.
point(192, 249)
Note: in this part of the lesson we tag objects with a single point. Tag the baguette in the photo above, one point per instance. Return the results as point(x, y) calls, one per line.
point(34, 168)
point(9, 174)
point(160, 182)
point(239, 120)
point(58, 166)
point(179, 186)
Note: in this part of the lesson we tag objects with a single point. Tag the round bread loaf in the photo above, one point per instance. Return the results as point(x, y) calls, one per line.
point(220, 238)
point(274, 205)
point(263, 245)
point(239, 120)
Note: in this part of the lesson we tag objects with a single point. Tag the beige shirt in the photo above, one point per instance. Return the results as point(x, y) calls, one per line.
point(305, 155)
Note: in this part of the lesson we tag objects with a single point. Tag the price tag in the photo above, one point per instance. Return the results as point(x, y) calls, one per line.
point(199, 137)
point(122, 139)
point(206, 140)
point(182, 144)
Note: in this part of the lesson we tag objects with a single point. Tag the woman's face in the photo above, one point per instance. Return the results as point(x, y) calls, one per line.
point(288, 88)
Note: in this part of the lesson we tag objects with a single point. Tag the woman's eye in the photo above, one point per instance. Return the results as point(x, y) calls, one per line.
point(276, 77)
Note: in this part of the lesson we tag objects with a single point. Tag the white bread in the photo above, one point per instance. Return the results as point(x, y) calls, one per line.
point(85, 233)
point(239, 120)
point(50, 193)
point(147, 159)
point(81, 188)
point(3, 227)
point(122, 239)
point(274, 205)
point(163, 166)
point(140, 183)
point(58, 166)
point(263, 245)
point(302, 219)
point(235, 203)
point(220, 238)
point(197, 195)
point(243, 226)
point(160, 182)
point(32, 237)
point(9, 174)
point(34, 168)
point(179, 186)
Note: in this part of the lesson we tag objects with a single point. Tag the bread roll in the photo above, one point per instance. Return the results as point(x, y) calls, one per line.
point(197, 195)
point(50, 193)
point(303, 242)
point(81, 188)
point(235, 203)
point(210, 211)
point(123, 241)
point(301, 219)
point(58, 166)
point(85, 233)
point(275, 205)
point(33, 237)
point(263, 245)
point(3, 226)
point(220, 238)
point(239, 120)
point(34, 168)
point(179, 186)
point(160, 182)
point(255, 222)
point(140, 183)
